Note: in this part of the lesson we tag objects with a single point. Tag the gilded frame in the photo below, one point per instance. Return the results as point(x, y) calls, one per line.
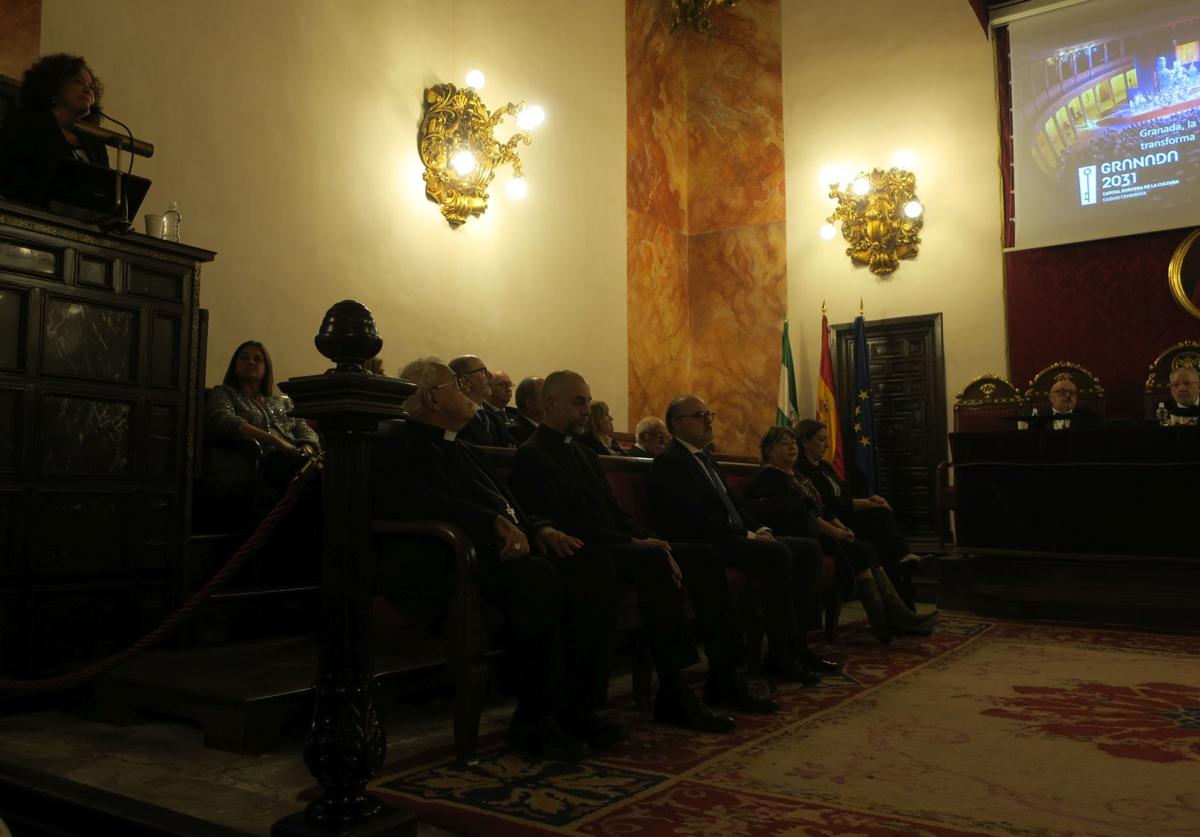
point(1186, 289)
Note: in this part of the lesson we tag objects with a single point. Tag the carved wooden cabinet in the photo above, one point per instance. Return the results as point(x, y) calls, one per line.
point(98, 378)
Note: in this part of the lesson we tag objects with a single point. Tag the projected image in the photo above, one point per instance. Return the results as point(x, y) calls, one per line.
point(1106, 120)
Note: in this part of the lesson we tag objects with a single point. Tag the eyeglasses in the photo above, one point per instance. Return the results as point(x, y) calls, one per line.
point(703, 415)
point(1064, 392)
point(482, 369)
point(458, 380)
point(655, 434)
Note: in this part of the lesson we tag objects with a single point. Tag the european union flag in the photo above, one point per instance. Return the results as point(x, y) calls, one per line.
point(863, 416)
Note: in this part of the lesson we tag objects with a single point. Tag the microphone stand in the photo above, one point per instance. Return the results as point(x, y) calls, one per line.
point(119, 223)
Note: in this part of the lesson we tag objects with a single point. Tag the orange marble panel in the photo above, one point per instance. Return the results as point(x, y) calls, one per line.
point(735, 120)
point(656, 115)
point(20, 35)
point(659, 337)
point(737, 293)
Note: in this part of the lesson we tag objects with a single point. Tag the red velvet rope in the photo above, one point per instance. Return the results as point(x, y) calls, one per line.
point(168, 625)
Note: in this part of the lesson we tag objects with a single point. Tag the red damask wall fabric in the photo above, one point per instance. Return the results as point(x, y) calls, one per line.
point(1105, 305)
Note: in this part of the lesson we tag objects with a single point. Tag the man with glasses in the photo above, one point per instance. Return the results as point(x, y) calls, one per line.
point(486, 428)
point(1064, 415)
point(690, 501)
point(652, 437)
point(1185, 396)
point(556, 593)
point(556, 477)
point(502, 392)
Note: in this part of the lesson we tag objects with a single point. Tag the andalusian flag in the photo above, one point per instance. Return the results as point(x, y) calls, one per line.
point(787, 411)
point(827, 412)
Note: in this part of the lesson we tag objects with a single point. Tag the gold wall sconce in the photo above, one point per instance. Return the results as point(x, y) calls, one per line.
point(694, 13)
point(458, 146)
point(881, 218)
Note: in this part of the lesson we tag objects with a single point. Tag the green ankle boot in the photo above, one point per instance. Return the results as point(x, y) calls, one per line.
point(872, 602)
point(899, 618)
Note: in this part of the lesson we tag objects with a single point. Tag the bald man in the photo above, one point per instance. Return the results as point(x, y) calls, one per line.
point(690, 500)
point(502, 392)
point(1064, 414)
point(486, 428)
point(562, 480)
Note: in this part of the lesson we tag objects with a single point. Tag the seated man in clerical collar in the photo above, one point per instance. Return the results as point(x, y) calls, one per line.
point(1185, 394)
point(1064, 415)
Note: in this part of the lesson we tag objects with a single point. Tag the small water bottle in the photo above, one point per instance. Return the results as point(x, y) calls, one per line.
point(172, 222)
point(1162, 414)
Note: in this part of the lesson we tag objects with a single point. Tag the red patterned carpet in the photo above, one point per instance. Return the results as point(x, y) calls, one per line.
point(983, 728)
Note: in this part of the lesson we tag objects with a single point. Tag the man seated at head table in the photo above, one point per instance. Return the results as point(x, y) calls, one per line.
point(529, 409)
point(689, 501)
point(486, 428)
point(556, 593)
point(560, 479)
point(1185, 396)
point(1064, 415)
point(652, 436)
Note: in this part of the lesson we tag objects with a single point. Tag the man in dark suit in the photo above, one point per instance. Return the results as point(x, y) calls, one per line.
point(486, 428)
point(652, 436)
point(529, 410)
point(690, 500)
point(1064, 415)
point(557, 594)
point(1185, 396)
point(502, 393)
point(556, 477)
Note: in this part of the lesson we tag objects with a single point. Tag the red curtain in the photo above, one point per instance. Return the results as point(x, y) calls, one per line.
point(1105, 305)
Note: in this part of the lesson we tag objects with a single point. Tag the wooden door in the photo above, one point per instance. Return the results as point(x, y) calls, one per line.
point(908, 392)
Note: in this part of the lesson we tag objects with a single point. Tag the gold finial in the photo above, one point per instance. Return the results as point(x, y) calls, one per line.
point(860, 306)
point(822, 307)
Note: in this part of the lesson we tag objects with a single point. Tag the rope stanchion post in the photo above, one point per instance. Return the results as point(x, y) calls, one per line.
point(346, 743)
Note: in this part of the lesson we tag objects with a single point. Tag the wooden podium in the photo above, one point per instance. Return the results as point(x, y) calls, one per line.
point(99, 363)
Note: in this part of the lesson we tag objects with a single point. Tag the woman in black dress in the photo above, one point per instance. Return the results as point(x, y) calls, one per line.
point(57, 92)
point(791, 505)
point(871, 518)
point(599, 432)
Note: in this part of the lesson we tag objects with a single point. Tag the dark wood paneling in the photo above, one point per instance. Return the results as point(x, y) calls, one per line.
point(908, 392)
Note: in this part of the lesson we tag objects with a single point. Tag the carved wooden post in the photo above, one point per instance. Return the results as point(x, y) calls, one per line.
point(346, 744)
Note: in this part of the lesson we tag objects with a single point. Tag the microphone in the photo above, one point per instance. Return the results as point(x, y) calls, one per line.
point(126, 142)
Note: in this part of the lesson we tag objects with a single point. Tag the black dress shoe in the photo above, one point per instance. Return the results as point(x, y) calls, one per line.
point(733, 691)
point(591, 728)
point(812, 662)
point(683, 709)
point(791, 671)
point(545, 739)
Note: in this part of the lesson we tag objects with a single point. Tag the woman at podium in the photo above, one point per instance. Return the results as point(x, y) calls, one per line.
point(57, 92)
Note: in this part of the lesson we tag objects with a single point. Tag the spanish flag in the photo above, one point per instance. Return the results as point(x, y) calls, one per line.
point(827, 411)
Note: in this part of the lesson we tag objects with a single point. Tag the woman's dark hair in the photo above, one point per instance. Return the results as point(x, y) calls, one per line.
point(46, 76)
point(807, 428)
point(267, 385)
point(771, 438)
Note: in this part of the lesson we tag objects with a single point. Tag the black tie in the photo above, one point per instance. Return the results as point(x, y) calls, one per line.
point(730, 508)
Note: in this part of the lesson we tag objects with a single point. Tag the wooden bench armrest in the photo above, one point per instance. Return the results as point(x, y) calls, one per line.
point(466, 561)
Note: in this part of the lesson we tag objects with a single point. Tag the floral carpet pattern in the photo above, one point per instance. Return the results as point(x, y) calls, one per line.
point(983, 728)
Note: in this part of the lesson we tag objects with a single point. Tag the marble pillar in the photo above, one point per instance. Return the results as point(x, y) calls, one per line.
point(707, 276)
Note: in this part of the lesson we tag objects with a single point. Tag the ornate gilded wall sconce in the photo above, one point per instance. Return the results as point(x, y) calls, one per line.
point(458, 146)
point(881, 218)
point(694, 13)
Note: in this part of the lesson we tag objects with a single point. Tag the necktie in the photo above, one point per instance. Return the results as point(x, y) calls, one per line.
point(730, 508)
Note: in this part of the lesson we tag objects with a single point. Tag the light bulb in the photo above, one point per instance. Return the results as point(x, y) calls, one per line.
point(861, 186)
point(517, 188)
point(530, 118)
point(476, 79)
point(828, 231)
point(913, 209)
point(903, 159)
point(463, 162)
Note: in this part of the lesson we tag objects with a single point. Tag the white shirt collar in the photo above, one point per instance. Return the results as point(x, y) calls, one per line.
point(450, 435)
point(692, 449)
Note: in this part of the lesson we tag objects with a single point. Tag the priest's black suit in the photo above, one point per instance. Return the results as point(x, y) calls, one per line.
point(558, 611)
point(558, 478)
point(690, 500)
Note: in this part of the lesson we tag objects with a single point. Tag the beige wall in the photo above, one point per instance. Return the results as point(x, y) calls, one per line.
point(286, 129)
point(855, 91)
